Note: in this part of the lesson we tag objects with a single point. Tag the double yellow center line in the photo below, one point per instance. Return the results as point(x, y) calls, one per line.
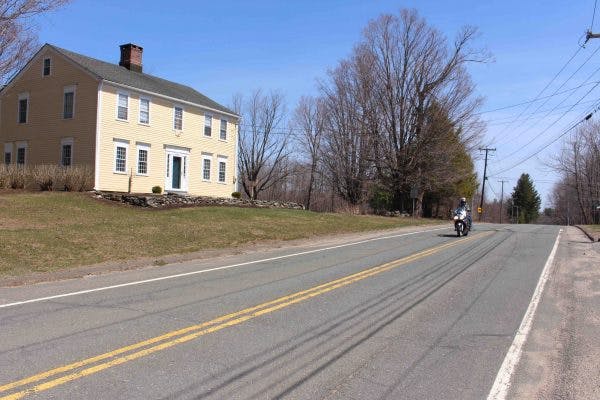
point(134, 351)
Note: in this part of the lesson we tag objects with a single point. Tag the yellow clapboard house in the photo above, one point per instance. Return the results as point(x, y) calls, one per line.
point(135, 130)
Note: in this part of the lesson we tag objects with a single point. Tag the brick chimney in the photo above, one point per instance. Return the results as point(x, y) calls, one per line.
point(131, 57)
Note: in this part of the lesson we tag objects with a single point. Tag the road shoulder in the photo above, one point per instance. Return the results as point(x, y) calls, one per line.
point(561, 358)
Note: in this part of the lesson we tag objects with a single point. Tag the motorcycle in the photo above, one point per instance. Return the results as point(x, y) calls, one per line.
point(462, 224)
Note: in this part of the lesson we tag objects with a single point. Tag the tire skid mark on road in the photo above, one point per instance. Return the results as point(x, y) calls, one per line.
point(170, 339)
point(309, 342)
point(421, 288)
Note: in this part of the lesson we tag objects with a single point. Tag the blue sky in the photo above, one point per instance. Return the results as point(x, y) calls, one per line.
point(227, 47)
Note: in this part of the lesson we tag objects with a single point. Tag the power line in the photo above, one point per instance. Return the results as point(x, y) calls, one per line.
point(563, 100)
point(492, 189)
point(553, 123)
point(552, 80)
point(557, 89)
point(548, 144)
point(593, 16)
point(498, 121)
point(516, 179)
point(532, 101)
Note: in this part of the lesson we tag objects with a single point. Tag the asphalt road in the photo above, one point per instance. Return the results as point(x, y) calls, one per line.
point(396, 316)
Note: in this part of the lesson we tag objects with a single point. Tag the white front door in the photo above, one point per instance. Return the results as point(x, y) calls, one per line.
point(176, 174)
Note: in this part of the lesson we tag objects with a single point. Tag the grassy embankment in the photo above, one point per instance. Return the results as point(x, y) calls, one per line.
point(593, 231)
point(593, 228)
point(50, 231)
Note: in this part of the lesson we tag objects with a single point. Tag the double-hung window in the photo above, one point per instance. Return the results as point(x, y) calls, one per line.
point(23, 107)
point(142, 159)
point(66, 152)
point(122, 106)
point(47, 66)
point(8, 149)
point(144, 111)
point(206, 168)
point(68, 102)
point(21, 153)
point(222, 169)
point(223, 131)
point(178, 118)
point(121, 156)
point(207, 125)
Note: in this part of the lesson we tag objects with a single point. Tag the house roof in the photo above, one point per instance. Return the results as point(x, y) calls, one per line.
point(117, 74)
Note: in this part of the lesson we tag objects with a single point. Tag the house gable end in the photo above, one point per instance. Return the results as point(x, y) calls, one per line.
point(61, 102)
point(38, 56)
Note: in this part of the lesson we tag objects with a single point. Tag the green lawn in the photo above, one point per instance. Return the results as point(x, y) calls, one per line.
point(50, 230)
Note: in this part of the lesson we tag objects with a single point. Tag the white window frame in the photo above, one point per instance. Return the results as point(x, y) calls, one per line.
point(23, 96)
point(221, 130)
point(145, 147)
point(175, 107)
point(69, 89)
point(21, 145)
point(221, 159)
point(8, 149)
point(49, 67)
point(209, 158)
point(142, 99)
point(207, 117)
point(66, 142)
point(119, 94)
point(120, 143)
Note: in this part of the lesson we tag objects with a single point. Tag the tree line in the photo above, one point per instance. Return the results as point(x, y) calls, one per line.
point(393, 121)
point(576, 197)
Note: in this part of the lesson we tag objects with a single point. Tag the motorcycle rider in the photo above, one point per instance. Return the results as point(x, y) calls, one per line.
point(463, 204)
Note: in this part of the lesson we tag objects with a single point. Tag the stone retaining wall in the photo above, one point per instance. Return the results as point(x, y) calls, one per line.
point(175, 200)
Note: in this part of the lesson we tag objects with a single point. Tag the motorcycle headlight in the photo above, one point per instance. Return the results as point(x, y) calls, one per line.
point(456, 217)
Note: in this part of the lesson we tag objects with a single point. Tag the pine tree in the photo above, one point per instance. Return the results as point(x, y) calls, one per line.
point(526, 198)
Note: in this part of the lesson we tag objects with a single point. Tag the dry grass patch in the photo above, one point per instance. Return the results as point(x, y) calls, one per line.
point(593, 228)
point(49, 231)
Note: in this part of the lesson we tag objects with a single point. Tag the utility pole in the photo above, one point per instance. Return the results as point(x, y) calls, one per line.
point(513, 214)
point(502, 198)
point(487, 149)
point(589, 35)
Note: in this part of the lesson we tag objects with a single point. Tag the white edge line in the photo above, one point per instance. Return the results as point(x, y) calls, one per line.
point(163, 278)
point(501, 385)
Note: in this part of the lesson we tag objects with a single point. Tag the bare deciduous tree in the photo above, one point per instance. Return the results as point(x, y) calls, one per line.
point(263, 149)
point(399, 107)
point(347, 145)
point(578, 192)
point(17, 40)
point(416, 74)
point(308, 120)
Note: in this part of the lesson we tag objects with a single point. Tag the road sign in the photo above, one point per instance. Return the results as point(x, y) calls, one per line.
point(479, 210)
point(414, 192)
